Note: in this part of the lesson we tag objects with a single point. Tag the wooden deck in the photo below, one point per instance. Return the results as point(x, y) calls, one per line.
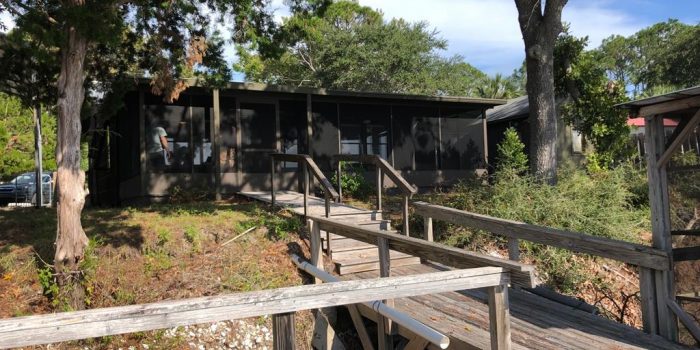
point(348, 255)
point(536, 322)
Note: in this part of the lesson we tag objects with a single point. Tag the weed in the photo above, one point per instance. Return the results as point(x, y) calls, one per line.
point(157, 259)
point(279, 225)
point(48, 284)
point(192, 236)
point(164, 236)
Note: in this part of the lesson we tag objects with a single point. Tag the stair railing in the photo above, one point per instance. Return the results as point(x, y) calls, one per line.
point(306, 164)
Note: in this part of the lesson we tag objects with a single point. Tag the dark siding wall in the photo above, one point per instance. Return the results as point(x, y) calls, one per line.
point(126, 141)
point(324, 142)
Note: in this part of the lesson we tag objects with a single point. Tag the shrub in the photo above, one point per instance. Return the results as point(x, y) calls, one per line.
point(604, 204)
point(511, 155)
point(352, 180)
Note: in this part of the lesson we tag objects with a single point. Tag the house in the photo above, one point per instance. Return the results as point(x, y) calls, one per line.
point(515, 113)
point(220, 139)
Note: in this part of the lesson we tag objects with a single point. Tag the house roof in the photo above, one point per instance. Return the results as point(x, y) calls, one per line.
point(483, 102)
point(676, 95)
point(515, 108)
point(639, 122)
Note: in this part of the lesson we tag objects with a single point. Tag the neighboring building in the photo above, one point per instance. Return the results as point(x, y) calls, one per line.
point(515, 114)
point(229, 134)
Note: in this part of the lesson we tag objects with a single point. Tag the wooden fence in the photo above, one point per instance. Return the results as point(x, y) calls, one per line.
point(281, 303)
point(649, 260)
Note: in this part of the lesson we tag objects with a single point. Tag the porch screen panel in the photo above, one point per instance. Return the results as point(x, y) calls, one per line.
point(462, 145)
point(365, 129)
point(228, 134)
point(324, 142)
point(201, 107)
point(173, 122)
point(258, 136)
point(415, 138)
point(293, 129)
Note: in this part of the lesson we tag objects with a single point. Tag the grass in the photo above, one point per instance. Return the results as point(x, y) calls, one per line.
point(147, 254)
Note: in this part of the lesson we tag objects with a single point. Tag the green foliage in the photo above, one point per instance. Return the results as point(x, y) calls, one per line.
point(664, 54)
point(48, 284)
point(511, 155)
point(344, 45)
point(279, 226)
point(352, 180)
point(164, 236)
point(192, 236)
point(591, 110)
point(605, 204)
point(17, 138)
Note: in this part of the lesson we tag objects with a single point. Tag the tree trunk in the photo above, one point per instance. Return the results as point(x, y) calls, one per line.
point(540, 31)
point(70, 239)
point(543, 116)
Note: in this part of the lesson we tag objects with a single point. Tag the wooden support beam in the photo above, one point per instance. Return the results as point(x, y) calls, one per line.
point(499, 318)
point(691, 297)
point(670, 106)
point(216, 149)
point(316, 246)
point(685, 233)
point(647, 296)
point(685, 319)
point(379, 189)
point(678, 141)
point(514, 249)
point(428, 229)
point(385, 271)
point(686, 253)
point(283, 335)
point(406, 218)
point(635, 254)
point(655, 140)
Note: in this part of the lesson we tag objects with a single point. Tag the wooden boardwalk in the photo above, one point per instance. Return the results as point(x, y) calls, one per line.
point(536, 322)
point(348, 255)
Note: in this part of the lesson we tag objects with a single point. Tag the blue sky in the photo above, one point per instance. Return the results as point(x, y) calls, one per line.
point(486, 32)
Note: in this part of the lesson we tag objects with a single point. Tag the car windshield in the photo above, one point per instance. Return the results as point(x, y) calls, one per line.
point(23, 179)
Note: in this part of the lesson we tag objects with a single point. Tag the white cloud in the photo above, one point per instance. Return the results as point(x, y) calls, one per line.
point(6, 21)
point(487, 34)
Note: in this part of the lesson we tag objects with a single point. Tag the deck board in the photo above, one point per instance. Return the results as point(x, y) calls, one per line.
point(536, 322)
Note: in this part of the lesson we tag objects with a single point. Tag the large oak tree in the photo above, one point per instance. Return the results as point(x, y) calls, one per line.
point(104, 40)
point(540, 30)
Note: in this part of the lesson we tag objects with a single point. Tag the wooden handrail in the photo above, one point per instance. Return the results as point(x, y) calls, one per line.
point(315, 170)
point(383, 167)
point(520, 274)
point(306, 163)
point(630, 253)
point(380, 162)
point(65, 326)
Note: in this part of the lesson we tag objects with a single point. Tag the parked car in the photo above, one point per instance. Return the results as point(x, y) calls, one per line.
point(22, 189)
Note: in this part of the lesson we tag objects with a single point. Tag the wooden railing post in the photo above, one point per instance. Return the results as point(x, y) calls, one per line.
point(384, 326)
point(272, 182)
point(305, 175)
point(428, 228)
point(340, 182)
point(316, 245)
point(328, 204)
point(499, 318)
point(283, 331)
point(405, 215)
point(514, 249)
point(647, 296)
point(379, 188)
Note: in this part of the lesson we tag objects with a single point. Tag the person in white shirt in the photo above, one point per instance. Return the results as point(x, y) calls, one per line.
point(159, 154)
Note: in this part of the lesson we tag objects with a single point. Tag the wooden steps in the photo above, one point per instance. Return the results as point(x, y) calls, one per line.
point(367, 259)
point(348, 255)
